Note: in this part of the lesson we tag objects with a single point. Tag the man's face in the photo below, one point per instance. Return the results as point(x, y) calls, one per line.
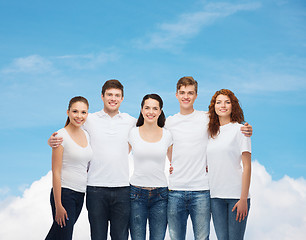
point(112, 99)
point(186, 96)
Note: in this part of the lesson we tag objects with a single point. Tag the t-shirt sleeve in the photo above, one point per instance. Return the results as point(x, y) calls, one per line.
point(169, 138)
point(61, 133)
point(244, 142)
point(131, 136)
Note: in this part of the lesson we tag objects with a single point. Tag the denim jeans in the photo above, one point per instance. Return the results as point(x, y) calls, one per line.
point(72, 201)
point(148, 205)
point(226, 226)
point(193, 203)
point(108, 204)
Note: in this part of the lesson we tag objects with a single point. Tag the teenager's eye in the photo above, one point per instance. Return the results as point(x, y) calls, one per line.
point(74, 111)
point(84, 112)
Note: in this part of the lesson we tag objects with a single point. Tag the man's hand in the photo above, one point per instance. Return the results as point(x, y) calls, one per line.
point(54, 141)
point(247, 130)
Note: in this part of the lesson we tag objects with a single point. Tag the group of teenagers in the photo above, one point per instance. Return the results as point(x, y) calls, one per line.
point(210, 167)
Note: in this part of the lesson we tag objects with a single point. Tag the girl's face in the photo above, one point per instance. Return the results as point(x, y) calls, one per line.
point(223, 106)
point(151, 111)
point(77, 114)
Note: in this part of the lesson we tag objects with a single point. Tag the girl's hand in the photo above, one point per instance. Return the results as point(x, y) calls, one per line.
point(61, 216)
point(242, 209)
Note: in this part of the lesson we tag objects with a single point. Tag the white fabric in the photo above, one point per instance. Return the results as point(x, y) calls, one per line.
point(109, 166)
point(190, 140)
point(224, 161)
point(75, 162)
point(149, 159)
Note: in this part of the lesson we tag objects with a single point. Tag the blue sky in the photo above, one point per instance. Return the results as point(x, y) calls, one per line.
point(54, 50)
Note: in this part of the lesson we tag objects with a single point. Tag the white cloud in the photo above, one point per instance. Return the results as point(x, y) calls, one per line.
point(87, 61)
point(189, 25)
point(277, 210)
point(32, 64)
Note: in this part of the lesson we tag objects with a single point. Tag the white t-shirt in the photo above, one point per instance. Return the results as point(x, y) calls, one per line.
point(190, 138)
point(149, 159)
point(75, 162)
point(109, 166)
point(224, 161)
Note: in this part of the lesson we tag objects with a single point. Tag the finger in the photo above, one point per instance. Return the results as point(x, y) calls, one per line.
point(246, 124)
point(237, 216)
point(54, 134)
point(234, 207)
point(64, 222)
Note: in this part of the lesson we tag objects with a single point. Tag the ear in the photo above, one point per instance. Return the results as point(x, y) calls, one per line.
point(67, 112)
point(102, 97)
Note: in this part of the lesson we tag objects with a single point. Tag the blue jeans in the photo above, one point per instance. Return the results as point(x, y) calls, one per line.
point(152, 205)
point(72, 201)
point(226, 226)
point(108, 204)
point(193, 203)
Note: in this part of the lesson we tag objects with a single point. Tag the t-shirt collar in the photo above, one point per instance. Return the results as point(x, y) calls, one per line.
point(104, 114)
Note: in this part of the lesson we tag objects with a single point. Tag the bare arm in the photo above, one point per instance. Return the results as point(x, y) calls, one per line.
point(54, 141)
point(57, 159)
point(242, 205)
point(247, 130)
point(130, 148)
point(169, 155)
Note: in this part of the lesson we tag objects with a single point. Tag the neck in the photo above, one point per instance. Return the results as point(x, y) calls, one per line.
point(150, 126)
point(185, 111)
point(72, 128)
point(224, 120)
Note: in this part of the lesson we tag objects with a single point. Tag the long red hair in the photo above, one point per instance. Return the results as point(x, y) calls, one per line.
point(236, 115)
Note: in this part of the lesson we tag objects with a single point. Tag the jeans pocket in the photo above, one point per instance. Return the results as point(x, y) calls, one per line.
point(164, 194)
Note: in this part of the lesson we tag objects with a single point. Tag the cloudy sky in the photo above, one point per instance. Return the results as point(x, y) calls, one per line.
point(52, 51)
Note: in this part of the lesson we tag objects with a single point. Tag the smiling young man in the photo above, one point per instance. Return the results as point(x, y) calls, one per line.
point(108, 191)
point(188, 183)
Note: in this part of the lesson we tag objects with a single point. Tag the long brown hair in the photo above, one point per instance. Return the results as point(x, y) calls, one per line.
point(74, 100)
point(236, 115)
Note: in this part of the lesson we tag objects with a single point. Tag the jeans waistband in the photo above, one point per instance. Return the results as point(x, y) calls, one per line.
point(140, 190)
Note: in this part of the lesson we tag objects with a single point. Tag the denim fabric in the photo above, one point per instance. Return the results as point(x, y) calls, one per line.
point(226, 226)
point(72, 201)
point(148, 205)
point(193, 203)
point(108, 204)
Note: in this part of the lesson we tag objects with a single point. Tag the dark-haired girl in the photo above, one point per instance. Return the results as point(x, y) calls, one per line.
point(150, 144)
point(69, 171)
point(229, 182)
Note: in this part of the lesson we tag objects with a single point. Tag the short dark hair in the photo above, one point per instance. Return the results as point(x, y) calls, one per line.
point(161, 119)
point(112, 83)
point(187, 81)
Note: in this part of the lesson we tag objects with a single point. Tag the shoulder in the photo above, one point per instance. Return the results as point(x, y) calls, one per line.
point(91, 116)
point(132, 134)
point(128, 117)
point(167, 134)
point(171, 119)
point(61, 132)
point(202, 114)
